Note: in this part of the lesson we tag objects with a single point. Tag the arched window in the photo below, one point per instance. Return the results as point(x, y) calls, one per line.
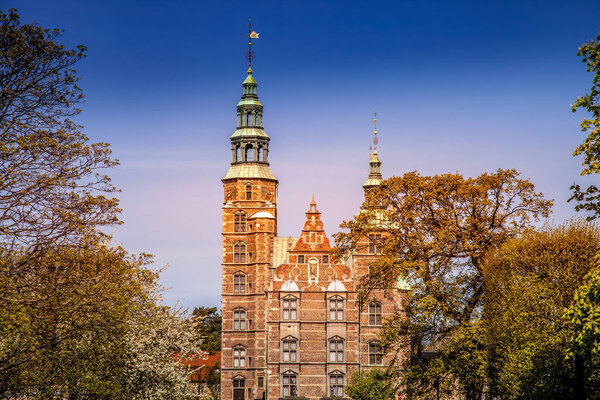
point(239, 224)
point(336, 349)
point(336, 384)
point(249, 153)
point(248, 191)
point(375, 353)
point(239, 252)
point(290, 308)
point(249, 118)
point(239, 283)
point(260, 154)
point(374, 313)
point(336, 308)
point(289, 384)
point(289, 347)
point(239, 319)
point(239, 356)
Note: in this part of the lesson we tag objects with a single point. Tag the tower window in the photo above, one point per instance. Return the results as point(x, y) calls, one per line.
point(239, 253)
point(375, 353)
point(290, 308)
point(240, 222)
point(373, 244)
point(289, 385)
point(239, 319)
point(239, 357)
point(249, 119)
point(261, 382)
point(289, 347)
point(248, 192)
point(239, 283)
point(374, 313)
point(336, 384)
point(336, 309)
point(336, 349)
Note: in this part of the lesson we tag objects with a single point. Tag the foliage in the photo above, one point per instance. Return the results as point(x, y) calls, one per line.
point(530, 283)
point(79, 317)
point(589, 199)
point(377, 384)
point(437, 233)
point(208, 326)
point(50, 181)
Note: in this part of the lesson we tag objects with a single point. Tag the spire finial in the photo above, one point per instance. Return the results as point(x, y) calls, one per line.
point(375, 140)
point(251, 35)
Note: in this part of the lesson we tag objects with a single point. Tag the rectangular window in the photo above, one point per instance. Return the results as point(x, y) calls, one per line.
point(336, 385)
point(290, 307)
point(374, 313)
point(239, 320)
point(375, 354)
point(301, 259)
point(373, 242)
point(239, 283)
point(336, 310)
point(289, 350)
point(239, 253)
point(248, 192)
point(289, 385)
point(325, 259)
point(261, 382)
point(239, 357)
point(239, 222)
point(336, 350)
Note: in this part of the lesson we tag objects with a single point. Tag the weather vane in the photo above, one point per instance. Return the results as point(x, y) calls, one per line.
point(251, 35)
point(375, 140)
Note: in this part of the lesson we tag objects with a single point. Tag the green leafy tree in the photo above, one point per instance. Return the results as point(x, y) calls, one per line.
point(208, 326)
point(377, 384)
point(437, 233)
point(531, 282)
point(589, 199)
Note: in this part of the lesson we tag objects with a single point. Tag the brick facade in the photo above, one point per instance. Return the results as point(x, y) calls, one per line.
point(292, 322)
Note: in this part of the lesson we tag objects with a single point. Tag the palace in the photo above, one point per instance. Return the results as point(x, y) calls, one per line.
point(293, 323)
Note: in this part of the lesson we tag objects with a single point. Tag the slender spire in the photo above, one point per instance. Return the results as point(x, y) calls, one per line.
point(249, 142)
point(375, 176)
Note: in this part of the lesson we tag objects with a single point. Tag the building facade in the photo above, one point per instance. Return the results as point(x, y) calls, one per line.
point(293, 323)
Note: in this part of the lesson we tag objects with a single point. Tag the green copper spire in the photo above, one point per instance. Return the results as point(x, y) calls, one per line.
point(375, 177)
point(249, 142)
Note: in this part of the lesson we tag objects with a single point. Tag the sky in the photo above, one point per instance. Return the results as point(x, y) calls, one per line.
point(461, 86)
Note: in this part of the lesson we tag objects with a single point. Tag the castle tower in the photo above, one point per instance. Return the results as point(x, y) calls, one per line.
point(249, 226)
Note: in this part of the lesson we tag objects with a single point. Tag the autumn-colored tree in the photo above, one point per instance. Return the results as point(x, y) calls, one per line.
point(80, 318)
point(51, 180)
point(589, 199)
point(530, 283)
point(438, 232)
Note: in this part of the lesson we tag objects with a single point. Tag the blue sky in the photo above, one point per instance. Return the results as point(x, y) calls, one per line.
point(463, 86)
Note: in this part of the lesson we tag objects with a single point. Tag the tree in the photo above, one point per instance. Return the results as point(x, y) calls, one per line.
point(589, 199)
point(377, 384)
point(437, 233)
point(80, 318)
point(51, 184)
point(530, 283)
point(208, 327)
